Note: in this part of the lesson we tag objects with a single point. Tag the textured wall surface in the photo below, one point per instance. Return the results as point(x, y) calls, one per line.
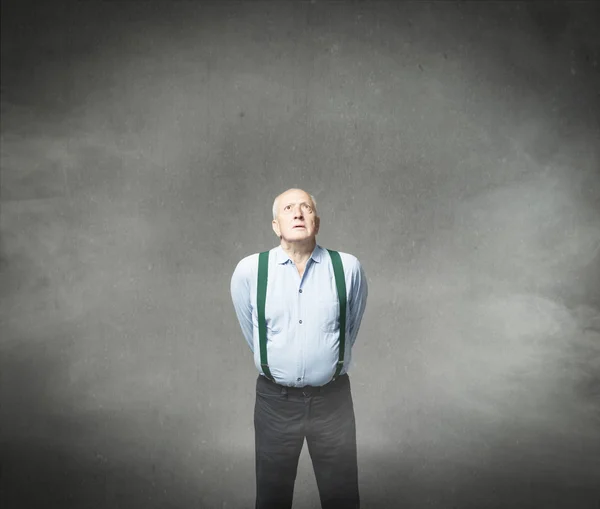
point(453, 147)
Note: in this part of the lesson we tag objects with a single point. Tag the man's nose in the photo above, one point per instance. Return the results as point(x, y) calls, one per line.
point(298, 212)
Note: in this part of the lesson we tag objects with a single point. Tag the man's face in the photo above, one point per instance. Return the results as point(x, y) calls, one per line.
point(296, 218)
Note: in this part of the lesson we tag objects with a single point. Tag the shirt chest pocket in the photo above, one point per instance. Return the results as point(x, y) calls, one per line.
point(329, 315)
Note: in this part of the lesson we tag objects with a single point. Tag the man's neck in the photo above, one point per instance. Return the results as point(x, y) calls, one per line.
point(299, 252)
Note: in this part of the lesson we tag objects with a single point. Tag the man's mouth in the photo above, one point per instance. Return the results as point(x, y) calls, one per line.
point(299, 226)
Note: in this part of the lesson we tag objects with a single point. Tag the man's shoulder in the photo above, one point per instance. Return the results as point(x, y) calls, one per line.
point(249, 263)
point(349, 261)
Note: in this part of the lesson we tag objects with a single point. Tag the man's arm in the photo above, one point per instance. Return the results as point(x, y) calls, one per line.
point(358, 294)
point(240, 295)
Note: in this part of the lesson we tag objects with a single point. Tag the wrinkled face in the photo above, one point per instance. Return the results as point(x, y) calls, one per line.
point(296, 218)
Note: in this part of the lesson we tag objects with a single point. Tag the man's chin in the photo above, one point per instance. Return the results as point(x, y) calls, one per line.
point(300, 239)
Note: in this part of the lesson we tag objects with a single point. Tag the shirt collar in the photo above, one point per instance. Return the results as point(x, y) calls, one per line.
point(282, 257)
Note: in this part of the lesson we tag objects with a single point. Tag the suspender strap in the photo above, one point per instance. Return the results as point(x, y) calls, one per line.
point(340, 283)
point(261, 297)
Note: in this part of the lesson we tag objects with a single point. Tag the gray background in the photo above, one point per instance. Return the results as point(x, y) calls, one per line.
point(453, 147)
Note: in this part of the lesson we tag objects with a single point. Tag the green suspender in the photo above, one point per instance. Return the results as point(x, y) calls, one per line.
point(340, 283)
point(261, 297)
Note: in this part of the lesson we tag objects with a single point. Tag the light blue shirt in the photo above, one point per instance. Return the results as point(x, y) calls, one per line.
point(302, 314)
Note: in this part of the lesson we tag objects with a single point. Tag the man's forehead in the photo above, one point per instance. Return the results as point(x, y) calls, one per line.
point(296, 194)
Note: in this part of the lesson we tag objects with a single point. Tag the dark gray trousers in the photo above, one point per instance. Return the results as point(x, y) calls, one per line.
point(283, 417)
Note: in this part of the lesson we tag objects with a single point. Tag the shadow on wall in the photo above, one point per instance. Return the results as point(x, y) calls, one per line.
point(58, 451)
point(439, 483)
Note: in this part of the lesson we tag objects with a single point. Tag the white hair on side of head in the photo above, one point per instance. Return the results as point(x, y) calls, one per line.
point(276, 204)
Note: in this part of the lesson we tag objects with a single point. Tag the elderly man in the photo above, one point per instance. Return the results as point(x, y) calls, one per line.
point(300, 307)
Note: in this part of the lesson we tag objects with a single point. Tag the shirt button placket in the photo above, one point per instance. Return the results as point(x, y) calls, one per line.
point(301, 333)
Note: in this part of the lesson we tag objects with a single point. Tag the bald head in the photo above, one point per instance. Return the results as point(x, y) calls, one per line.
point(295, 219)
point(293, 190)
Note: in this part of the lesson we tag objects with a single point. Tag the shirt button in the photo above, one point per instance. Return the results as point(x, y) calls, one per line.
point(298, 379)
point(300, 290)
point(300, 321)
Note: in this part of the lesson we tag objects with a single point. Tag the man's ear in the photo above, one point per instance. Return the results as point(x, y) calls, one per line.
point(275, 227)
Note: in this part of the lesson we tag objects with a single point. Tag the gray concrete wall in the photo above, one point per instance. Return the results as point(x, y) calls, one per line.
point(453, 147)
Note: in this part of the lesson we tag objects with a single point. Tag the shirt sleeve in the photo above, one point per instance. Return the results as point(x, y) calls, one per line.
point(242, 303)
point(358, 294)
